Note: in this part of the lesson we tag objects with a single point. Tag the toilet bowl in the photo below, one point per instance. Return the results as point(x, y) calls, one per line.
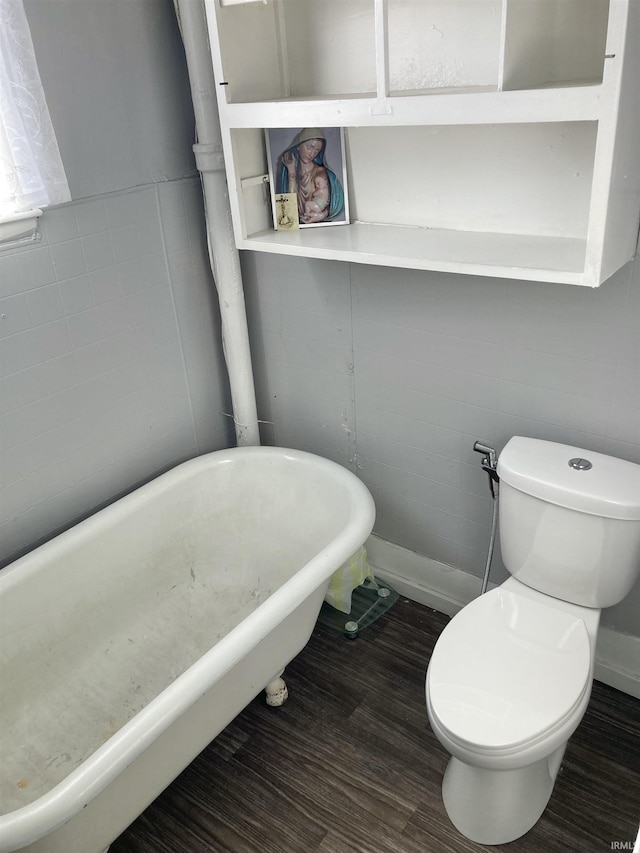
point(508, 687)
point(510, 676)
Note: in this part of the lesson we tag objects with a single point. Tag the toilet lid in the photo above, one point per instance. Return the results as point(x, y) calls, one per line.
point(507, 669)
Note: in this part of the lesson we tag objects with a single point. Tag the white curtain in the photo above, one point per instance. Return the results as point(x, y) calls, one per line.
point(31, 171)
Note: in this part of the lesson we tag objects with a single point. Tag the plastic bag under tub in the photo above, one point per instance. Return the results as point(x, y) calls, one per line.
point(344, 580)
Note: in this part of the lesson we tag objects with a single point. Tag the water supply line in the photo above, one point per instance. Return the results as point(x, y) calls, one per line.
point(489, 463)
point(223, 254)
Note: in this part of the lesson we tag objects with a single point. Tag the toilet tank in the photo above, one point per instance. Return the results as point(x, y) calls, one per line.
point(569, 521)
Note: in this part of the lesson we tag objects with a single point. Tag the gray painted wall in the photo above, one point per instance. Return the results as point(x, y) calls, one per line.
point(117, 89)
point(395, 373)
point(111, 367)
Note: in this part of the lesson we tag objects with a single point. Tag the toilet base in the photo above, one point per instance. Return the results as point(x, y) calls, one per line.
point(497, 806)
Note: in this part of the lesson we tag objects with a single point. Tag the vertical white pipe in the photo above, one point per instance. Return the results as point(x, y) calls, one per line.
point(224, 258)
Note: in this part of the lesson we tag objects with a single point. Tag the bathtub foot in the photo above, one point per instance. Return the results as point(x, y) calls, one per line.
point(277, 693)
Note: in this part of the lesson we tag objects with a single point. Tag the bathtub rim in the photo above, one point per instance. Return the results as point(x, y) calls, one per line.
point(30, 823)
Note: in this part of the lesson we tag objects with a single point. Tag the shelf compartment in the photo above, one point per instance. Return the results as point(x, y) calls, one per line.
point(456, 198)
point(295, 49)
point(442, 45)
point(553, 43)
point(466, 177)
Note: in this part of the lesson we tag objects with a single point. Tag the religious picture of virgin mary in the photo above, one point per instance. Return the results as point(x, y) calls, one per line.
point(309, 162)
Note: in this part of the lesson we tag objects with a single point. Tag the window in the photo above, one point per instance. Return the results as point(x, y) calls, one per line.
point(31, 172)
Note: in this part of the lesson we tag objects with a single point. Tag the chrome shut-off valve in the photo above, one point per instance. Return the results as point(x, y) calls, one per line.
point(489, 463)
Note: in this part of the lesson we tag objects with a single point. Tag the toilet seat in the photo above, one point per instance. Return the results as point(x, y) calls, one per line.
point(507, 671)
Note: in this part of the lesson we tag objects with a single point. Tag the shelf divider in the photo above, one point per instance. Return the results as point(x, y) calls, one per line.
point(382, 48)
point(433, 107)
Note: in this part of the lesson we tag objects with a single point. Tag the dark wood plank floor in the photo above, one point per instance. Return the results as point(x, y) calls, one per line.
point(349, 764)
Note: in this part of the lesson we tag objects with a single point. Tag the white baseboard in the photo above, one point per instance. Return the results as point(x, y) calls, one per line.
point(618, 660)
point(447, 589)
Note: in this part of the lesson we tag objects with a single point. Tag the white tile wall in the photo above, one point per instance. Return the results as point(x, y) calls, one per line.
point(395, 373)
point(110, 359)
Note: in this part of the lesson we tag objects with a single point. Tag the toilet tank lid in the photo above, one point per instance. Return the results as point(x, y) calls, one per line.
point(609, 488)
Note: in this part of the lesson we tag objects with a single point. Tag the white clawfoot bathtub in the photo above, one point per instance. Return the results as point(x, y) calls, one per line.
point(130, 641)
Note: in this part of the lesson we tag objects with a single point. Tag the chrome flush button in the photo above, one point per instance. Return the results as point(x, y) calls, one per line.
point(580, 464)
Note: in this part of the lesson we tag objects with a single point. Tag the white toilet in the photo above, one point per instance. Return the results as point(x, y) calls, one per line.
point(510, 676)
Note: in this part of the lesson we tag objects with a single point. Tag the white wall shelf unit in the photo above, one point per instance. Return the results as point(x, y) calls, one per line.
point(494, 137)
